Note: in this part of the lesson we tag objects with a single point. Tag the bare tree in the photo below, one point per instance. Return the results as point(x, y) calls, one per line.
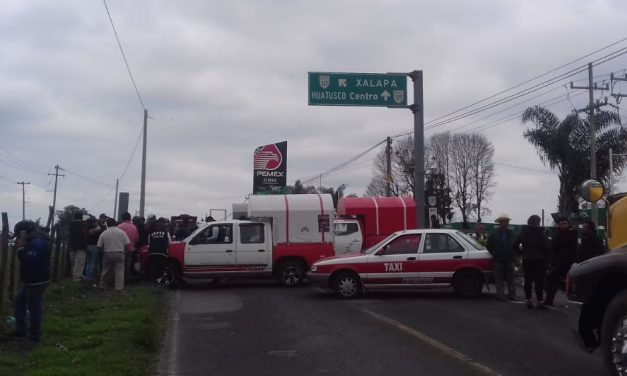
point(482, 153)
point(459, 169)
point(461, 175)
point(402, 174)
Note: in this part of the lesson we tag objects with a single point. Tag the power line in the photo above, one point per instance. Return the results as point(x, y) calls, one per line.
point(124, 56)
point(517, 115)
point(530, 80)
point(85, 177)
point(132, 154)
point(341, 165)
point(524, 168)
point(443, 121)
point(510, 98)
point(19, 162)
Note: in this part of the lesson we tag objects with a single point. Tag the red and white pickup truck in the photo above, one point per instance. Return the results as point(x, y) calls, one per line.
point(283, 236)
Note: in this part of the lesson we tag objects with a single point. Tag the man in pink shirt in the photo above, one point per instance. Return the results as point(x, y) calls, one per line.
point(131, 231)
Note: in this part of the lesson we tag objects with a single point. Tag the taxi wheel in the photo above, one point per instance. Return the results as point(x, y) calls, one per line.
point(468, 283)
point(347, 285)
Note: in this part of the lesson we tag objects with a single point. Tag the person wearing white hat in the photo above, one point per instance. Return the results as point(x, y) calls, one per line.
point(501, 246)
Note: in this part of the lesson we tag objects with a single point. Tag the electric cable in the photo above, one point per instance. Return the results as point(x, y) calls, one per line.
point(341, 165)
point(124, 56)
point(132, 154)
point(532, 79)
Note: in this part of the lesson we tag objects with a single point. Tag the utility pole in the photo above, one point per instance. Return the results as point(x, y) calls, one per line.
point(23, 199)
point(593, 152)
point(419, 149)
point(115, 205)
point(142, 195)
point(613, 79)
point(388, 171)
point(612, 155)
point(54, 199)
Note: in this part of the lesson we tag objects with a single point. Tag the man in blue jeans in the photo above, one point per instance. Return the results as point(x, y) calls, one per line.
point(33, 251)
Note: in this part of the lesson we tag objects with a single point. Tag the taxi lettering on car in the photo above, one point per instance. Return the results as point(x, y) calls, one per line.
point(408, 259)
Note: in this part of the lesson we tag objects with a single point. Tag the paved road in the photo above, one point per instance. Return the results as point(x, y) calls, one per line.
point(244, 328)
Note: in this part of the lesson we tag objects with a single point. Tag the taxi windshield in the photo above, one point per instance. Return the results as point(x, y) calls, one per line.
point(377, 246)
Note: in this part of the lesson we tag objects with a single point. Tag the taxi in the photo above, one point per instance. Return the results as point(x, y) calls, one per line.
point(409, 259)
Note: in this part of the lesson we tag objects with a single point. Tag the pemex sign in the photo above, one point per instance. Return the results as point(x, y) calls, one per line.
point(357, 89)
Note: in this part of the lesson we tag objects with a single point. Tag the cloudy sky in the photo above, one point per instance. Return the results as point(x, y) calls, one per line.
point(219, 78)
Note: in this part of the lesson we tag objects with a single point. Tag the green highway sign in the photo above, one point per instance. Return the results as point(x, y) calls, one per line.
point(357, 89)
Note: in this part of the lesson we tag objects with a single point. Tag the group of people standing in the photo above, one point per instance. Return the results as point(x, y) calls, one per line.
point(545, 261)
point(112, 247)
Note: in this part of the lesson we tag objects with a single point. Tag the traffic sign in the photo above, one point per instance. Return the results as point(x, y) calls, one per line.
point(357, 89)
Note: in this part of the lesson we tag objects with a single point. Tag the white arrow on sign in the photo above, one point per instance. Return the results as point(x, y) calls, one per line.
point(341, 82)
point(385, 95)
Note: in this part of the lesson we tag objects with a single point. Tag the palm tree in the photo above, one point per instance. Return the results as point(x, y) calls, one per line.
point(565, 146)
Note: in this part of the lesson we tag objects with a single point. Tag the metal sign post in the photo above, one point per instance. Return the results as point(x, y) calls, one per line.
point(378, 90)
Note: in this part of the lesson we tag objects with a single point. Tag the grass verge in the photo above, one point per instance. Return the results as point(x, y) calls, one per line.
point(91, 332)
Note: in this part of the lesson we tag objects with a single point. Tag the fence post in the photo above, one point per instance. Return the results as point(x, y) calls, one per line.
point(13, 257)
point(4, 251)
point(53, 237)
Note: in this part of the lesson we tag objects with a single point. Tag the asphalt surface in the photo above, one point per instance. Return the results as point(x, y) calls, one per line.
point(261, 328)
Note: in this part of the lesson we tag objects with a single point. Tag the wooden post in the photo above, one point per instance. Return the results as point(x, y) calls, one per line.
point(53, 238)
point(4, 251)
point(12, 266)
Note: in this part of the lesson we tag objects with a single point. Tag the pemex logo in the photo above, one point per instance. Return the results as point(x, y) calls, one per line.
point(267, 157)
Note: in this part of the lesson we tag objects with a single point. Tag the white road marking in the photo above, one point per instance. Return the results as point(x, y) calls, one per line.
point(482, 369)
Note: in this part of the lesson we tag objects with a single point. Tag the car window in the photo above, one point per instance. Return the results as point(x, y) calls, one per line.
point(342, 229)
point(404, 244)
point(215, 234)
point(251, 233)
point(377, 246)
point(470, 240)
point(441, 243)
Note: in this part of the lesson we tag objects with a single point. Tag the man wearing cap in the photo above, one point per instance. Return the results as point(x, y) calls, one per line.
point(501, 246)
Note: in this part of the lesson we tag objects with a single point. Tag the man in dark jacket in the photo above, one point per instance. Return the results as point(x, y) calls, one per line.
point(501, 246)
point(78, 246)
point(533, 245)
point(158, 243)
point(33, 251)
point(591, 246)
point(563, 248)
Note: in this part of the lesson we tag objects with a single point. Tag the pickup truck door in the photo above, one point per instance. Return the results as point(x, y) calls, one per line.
point(254, 246)
point(213, 247)
point(348, 237)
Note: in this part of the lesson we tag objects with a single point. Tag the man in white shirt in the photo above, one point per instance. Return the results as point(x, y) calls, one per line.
point(112, 242)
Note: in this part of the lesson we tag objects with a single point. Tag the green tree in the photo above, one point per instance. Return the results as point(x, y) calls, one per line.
point(435, 185)
point(564, 145)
